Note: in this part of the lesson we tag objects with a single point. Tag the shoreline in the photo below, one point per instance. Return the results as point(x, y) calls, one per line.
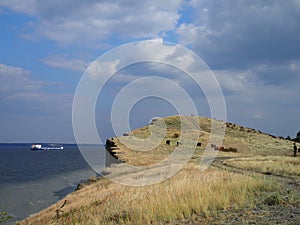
point(23, 200)
point(199, 196)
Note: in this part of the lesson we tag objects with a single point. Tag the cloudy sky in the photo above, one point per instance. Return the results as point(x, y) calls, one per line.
point(252, 47)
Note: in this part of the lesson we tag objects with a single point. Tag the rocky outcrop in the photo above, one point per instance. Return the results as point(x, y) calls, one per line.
point(297, 138)
point(111, 152)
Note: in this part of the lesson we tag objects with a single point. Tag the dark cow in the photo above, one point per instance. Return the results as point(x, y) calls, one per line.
point(199, 144)
point(219, 148)
point(168, 142)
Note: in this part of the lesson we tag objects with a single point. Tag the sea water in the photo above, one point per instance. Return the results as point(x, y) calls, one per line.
point(33, 180)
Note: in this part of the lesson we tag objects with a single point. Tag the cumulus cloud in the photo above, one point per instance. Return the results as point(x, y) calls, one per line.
point(21, 93)
point(258, 103)
point(240, 33)
point(247, 87)
point(252, 46)
point(69, 22)
point(163, 60)
point(98, 68)
point(16, 79)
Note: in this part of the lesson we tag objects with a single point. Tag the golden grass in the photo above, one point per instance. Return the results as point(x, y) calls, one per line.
point(255, 143)
point(189, 192)
point(191, 134)
point(197, 129)
point(280, 165)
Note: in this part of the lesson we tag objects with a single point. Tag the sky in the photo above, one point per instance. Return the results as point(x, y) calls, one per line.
point(252, 47)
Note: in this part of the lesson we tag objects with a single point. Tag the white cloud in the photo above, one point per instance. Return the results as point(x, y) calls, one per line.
point(82, 22)
point(241, 33)
point(28, 6)
point(98, 68)
point(249, 87)
point(190, 33)
point(61, 61)
point(21, 93)
point(6, 70)
point(16, 79)
point(253, 48)
point(162, 60)
point(235, 81)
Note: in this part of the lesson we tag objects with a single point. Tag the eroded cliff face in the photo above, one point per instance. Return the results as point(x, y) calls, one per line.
point(111, 157)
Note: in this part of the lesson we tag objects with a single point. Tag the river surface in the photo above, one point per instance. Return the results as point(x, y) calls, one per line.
point(33, 180)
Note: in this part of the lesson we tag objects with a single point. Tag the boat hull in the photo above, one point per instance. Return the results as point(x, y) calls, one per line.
point(39, 147)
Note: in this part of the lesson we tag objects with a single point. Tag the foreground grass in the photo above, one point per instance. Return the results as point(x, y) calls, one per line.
point(280, 165)
point(190, 191)
point(187, 193)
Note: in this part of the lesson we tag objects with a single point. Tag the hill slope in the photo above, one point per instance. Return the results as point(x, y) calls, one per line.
point(215, 195)
point(246, 141)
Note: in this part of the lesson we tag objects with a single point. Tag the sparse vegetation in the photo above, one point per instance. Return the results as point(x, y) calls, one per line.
point(188, 193)
point(4, 217)
point(273, 199)
point(279, 165)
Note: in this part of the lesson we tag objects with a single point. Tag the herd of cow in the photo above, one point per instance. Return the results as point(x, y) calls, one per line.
point(215, 147)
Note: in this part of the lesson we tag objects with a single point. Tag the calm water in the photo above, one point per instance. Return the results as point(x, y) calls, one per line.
point(33, 180)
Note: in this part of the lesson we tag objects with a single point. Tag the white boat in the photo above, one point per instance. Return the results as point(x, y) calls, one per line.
point(39, 147)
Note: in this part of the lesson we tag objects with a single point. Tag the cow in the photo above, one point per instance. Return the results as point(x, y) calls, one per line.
point(219, 148)
point(168, 142)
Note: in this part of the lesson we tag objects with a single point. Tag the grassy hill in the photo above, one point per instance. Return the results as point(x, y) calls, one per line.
point(191, 196)
point(246, 141)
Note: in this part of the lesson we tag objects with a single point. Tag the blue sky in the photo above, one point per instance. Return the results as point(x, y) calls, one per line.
point(252, 47)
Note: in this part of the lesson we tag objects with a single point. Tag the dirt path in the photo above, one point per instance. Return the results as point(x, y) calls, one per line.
point(290, 182)
point(285, 211)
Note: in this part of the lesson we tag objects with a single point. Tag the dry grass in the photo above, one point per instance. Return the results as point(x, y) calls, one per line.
point(248, 142)
point(188, 136)
point(189, 192)
point(255, 143)
point(280, 165)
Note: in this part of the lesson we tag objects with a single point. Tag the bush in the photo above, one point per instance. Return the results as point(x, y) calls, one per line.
point(4, 217)
point(175, 135)
point(273, 199)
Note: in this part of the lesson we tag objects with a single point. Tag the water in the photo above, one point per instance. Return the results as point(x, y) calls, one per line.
point(33, 180)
